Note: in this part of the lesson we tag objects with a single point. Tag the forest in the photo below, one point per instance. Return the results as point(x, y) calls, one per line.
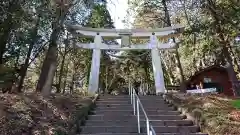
point(37, 54)
point(211, 35)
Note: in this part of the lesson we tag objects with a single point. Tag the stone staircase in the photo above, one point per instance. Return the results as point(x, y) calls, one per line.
point(113, 115)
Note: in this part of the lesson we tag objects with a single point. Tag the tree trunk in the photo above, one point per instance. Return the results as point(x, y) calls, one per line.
point(61, 70)
point(49, 65)
point(231, 72)
point(89, 69)
point(147, 74)
point(177, 57)
point(180, 70)
point(24, 68)
point(65, 80)
point(23, 71)
point(234, 57)
point(170, 74)
point(64, 85)
point(106, 80)
point(72, 82)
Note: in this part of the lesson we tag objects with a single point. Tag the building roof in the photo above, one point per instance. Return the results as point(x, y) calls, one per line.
point(214, 67)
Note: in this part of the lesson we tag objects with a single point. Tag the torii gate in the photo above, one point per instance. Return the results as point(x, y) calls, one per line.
point(126, 34)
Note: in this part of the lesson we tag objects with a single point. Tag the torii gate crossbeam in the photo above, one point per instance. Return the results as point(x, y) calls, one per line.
point(154, 45)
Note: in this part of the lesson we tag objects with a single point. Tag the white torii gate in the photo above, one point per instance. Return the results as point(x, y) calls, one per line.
point(125, 34)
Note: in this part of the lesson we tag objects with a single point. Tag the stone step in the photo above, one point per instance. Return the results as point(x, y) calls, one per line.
point(176, 129)
point(143, 123)
point(108, 129)
point(130, 113)
point(129, 100)
point(149, 112)
point(129, 103)
point(144, 134)
point(133, 129)
point(107, 107)
point(150, 97)
point(172, 122)
point(153, 105)
point(113, 102)
point(151, 100)
point(113, 99)
point(129, 107)
point(117, 96)
point(162, 112)
point(116, 134)
point(113, 115)
point(111, 123)
point(109, 112)
point(180, 134)
point(122, 117)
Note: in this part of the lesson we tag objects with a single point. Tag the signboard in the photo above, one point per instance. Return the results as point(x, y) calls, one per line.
point(207, 80)
point(208, 90)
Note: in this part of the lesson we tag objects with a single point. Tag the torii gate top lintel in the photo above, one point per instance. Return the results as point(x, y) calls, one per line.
point(132, 32)
point(126, 35)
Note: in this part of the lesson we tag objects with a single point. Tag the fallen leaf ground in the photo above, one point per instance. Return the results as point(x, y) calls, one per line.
point(32, 114)
point(219, 115)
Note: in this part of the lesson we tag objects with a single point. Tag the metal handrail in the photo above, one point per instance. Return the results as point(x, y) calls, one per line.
point(152, 131)
point(136, 101)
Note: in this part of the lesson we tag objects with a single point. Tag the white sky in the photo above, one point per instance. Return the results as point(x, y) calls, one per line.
point(118, 10)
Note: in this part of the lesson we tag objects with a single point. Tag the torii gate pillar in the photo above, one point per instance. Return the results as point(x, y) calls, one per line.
point(95, 66)
point(157, 66)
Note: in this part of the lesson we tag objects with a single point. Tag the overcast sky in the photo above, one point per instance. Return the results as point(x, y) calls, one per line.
point(118, 9)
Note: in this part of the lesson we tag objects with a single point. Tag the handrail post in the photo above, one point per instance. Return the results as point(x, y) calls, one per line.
point(152, 131)
point(138, 117)
point(129, 88)
point(131, 94)
point(136, 109)
point(147, 123)
point(134, 103)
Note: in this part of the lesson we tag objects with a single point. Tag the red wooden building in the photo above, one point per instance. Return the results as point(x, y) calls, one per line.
point(213, 76)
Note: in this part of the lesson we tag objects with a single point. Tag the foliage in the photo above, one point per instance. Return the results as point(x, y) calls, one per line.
point(236, 103)
point(214, 113)
point(35, 114)
point(208, 31)
point(33, 36)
